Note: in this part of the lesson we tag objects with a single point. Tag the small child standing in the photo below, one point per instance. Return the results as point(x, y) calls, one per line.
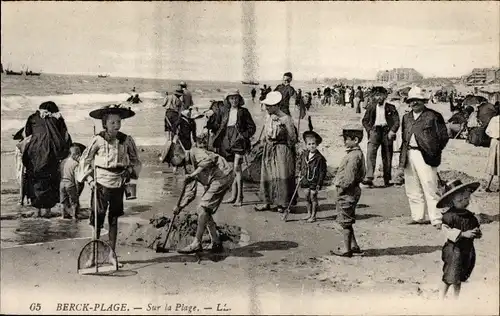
point(186, 129)
point(461, 228)
point(349, 175)
point(69, 191)
point(20, 169)
point(312, 166)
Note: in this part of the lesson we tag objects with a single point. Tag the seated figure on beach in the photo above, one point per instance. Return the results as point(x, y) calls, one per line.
point(115, 159)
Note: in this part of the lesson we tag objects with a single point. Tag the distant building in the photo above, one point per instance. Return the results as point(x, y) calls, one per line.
point(482, 76)
point(399, 74)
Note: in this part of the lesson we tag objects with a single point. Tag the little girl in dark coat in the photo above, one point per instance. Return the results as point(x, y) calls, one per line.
point(461, 228)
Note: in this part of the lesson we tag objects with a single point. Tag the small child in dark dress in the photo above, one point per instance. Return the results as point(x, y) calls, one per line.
point(461, 228)
point(312, 166)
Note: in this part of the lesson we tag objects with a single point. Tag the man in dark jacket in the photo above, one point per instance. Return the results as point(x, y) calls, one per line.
point(287, 91)
point(381, 122)
point(424, 136)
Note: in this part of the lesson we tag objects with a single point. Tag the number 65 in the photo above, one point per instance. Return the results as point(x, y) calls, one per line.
point(35, 307)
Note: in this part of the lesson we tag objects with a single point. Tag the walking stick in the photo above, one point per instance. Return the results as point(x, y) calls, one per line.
point(287, 211)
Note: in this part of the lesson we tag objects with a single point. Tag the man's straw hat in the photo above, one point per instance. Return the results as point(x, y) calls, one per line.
point(417, 93)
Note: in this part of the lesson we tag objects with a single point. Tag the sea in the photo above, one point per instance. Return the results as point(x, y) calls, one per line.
point(77, 95)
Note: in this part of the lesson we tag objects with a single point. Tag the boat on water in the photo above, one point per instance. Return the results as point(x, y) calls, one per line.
point(13, 73)
point(253, 83)
point(31, 73)
point(102, 76)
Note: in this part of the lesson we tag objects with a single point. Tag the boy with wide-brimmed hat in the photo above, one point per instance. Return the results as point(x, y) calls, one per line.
point(115, 158)
point(215, 174)
point(349, 175)
point(312, 166)
point(461, 227)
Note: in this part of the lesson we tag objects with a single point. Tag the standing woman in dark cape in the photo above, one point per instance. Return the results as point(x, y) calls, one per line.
point(49, 144)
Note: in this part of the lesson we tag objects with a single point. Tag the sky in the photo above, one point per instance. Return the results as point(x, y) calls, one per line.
point(216, 41)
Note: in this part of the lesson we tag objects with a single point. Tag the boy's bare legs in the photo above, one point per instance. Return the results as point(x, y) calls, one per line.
point(354, 243)
point(237, 186)
point(309, 204)
point(456, 290)
point(314, 205)
point(443, 290)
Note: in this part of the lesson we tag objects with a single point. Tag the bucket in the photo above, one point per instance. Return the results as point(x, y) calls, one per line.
point(130, 191)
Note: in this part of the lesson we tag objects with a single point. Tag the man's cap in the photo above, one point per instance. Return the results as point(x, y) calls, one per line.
point(288, 74)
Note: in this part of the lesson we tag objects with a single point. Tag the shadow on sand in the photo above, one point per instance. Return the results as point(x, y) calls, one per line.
point(249, 251)
point(400, 251)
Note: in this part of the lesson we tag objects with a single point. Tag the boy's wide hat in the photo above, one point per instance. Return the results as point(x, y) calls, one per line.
point(123, 112)
point(168, 151)
point(273, 98)
point(308, 134)
point(235, 92)
point(454, 187)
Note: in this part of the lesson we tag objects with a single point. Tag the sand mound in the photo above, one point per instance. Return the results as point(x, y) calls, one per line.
point(150, 234)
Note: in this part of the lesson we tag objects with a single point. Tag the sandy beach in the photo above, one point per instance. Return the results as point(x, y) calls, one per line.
point(277, 267)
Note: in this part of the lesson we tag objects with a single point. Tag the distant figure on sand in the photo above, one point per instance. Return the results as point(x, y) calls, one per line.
point(253, 93)
point(187, 97)
point(287, 92)
point(135, 99)
point(424, 137)
point(49, 144)
point(173, 106)
point(461, 227)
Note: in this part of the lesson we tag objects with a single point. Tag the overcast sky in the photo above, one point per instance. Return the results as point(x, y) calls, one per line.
point(203, 40)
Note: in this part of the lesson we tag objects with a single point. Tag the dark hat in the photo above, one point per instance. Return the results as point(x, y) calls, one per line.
point(288, 74)
point(311, 133)
point(112, 109)
point(454, 187)
point(80, 146)
point(379, 89)
point(308, 134)
point(183, 84)
point(19, 135)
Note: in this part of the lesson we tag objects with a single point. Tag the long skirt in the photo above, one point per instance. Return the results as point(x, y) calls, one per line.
point(493, 162)
point(277, 179)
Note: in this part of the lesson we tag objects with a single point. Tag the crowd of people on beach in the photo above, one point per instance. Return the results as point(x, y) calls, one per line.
point(53, 169)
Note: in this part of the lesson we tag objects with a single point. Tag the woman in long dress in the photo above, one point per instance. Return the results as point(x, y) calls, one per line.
point(277, 182)
point(232, 139)
point(49, 144)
